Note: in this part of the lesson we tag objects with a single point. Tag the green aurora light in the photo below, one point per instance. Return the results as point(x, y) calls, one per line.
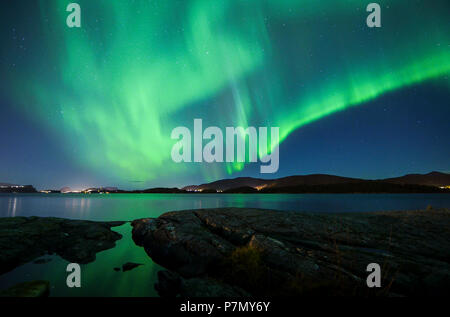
point(137, 69)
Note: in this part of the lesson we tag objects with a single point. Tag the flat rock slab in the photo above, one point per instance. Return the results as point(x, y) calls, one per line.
point(313, 250)
point(24, 239)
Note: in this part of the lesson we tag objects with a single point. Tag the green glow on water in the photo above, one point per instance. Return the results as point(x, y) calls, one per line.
point(98, 278)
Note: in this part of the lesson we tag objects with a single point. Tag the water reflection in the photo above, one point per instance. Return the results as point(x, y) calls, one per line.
point(78, 207)
point(12, 207)
point(98, 277)
point(134, 206)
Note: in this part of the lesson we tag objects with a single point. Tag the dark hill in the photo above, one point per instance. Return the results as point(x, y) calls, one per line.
point(241, 190)
point(321, 183)
point(431, 179)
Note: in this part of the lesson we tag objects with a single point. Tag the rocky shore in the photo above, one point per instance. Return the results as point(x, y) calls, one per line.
point(241, 252)
point(235, 252)
point(24, 239)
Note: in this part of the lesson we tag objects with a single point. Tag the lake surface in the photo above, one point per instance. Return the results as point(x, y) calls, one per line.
point(134, 206)
point(99, 278)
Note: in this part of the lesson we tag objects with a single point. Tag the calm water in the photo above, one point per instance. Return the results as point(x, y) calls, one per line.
point(99, 278)
point(134, 206)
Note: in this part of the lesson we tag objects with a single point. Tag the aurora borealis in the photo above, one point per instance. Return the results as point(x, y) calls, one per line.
point(110, 92)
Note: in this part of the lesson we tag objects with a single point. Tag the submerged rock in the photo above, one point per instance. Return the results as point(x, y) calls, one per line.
point(28, 289)
point(24, 239)
point(268, 252)
point(130, 265)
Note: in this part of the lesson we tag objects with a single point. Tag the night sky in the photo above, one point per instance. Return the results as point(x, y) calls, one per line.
point(95, 106)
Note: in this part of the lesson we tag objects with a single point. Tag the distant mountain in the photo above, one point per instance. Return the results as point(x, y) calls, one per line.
point(11, 188)
point(225, 184)
point(258, 183)
point(157, 190)
point(101, 190)
point(321, 181)
point(362, 187)
point(314, 183)
point(162, 190)
point(313, 179)
point(241, 190)
point(65, 190)
point(437, 179)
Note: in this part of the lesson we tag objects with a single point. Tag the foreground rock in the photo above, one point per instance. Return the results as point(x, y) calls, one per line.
point(171, 284)
point(28, 289)
point(266, 252)
point(24, 239)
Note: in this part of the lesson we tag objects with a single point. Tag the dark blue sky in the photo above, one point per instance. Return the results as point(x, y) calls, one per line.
point(95, 106)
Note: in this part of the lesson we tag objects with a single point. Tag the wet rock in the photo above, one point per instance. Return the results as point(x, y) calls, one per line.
point(188, 251)
point(129, 266)
point(169, 284)
point(301, 253)
point(24, 239)
point(28, 289)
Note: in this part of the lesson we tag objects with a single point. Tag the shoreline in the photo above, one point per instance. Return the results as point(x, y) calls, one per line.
point(233, 251)
point(221, 193)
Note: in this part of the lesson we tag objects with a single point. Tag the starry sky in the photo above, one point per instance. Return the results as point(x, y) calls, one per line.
point(95, 106)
